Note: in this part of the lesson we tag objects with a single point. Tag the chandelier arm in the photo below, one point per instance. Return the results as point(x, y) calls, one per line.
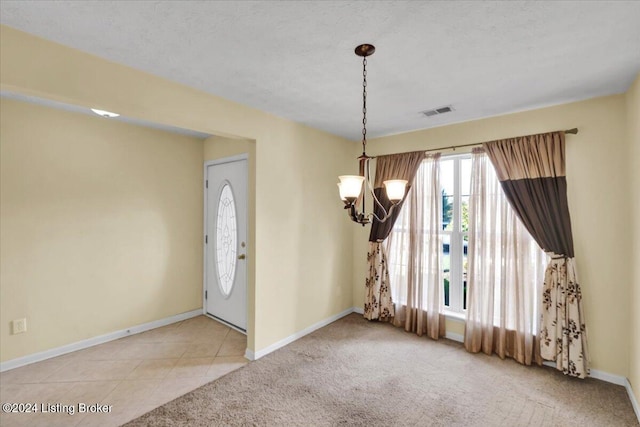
point(373, 193)
point(386, 216)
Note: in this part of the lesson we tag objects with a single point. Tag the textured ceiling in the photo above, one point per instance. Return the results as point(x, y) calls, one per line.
point(296, 60)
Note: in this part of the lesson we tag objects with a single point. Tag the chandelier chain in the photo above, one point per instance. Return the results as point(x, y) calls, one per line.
point(364, 104)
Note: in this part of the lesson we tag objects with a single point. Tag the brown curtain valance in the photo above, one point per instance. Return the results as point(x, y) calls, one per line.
point(393, 166)
point(531, 170)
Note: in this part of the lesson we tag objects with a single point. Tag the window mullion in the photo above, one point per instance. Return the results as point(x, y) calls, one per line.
point(455, 248)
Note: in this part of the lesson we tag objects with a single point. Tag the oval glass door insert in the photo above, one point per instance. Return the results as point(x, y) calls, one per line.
point(226, 240)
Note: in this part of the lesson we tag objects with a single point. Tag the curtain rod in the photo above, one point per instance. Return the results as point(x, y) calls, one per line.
point(477, 144)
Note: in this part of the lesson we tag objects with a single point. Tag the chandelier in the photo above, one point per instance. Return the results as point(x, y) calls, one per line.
point(351, 186)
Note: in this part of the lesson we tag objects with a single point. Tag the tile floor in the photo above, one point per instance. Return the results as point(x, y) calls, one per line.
point(133, 374)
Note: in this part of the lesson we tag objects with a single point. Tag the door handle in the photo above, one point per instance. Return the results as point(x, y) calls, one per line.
point(242, 256)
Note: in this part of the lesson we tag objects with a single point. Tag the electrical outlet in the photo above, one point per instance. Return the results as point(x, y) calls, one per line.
point(19, 326)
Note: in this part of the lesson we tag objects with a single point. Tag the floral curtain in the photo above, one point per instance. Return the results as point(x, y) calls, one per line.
point(531, 171)
point(378, 302)
point(563, 336)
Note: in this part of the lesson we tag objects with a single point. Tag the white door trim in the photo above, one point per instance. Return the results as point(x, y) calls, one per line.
point(208, 163)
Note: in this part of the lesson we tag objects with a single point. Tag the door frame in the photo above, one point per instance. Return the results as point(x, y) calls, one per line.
point(230, 159)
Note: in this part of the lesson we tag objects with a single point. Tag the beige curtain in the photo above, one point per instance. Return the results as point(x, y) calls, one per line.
point(531, 171)
point(415, 248)
point(505, 270)
point(378, 302)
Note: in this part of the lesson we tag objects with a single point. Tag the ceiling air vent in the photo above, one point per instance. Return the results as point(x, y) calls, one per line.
point(437, 111)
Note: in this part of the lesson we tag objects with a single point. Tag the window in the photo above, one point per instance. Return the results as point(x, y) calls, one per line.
point(226, 240)
point(455, 178)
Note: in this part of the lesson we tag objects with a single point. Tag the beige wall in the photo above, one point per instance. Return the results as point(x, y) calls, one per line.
point(100, 224)
point(218, 147)
point(598, 192)
point(633, 127)
point(303, 244)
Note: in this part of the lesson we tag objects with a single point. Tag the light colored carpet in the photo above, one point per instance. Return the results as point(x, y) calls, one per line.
point(355, 372)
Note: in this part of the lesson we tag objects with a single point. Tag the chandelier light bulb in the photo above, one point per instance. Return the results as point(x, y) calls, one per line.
point(350, 187)
point(395, 189)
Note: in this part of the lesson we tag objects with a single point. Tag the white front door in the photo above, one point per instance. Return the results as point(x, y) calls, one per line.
point(226, 241)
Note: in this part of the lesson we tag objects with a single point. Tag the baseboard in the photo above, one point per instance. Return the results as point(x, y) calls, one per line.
point(605, 376)
point(90, 342)
point(454, 337)
point(291, 338)
point(358, 310)
point(596, 374)
point(249, 354)
point(632, 398)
